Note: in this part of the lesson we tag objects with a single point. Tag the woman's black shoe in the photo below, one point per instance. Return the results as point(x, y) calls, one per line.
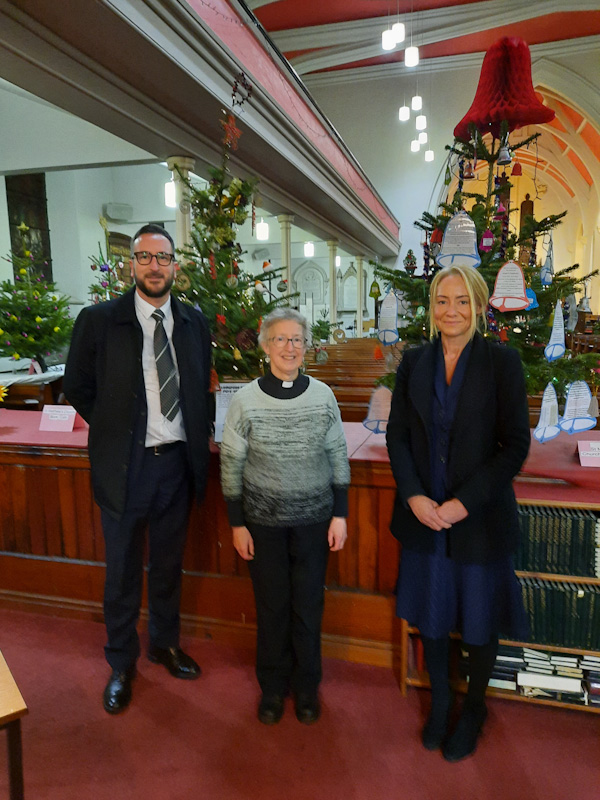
point(308, 708)
point(270, 708)
point(463, 741)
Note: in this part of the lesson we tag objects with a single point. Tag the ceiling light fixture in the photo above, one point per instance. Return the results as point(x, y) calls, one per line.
point(262, 231)
point(309, 249)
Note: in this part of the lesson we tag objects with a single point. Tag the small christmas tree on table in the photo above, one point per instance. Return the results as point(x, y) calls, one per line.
point(233, 301)
point(34, 317)
point(524, 322)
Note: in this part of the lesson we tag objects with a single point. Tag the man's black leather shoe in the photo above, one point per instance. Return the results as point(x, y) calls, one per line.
point(308, 708)
point(270, 708)
point(117, 694)
point(176, 661)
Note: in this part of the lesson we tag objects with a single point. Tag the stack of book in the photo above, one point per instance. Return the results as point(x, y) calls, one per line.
point(552, 676)
point(559, 541)
point(591, 670)
point(509, 662)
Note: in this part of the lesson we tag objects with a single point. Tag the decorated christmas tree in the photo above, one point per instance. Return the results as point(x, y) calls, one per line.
point(34, 317)
point(527, 316)
point(211, 273)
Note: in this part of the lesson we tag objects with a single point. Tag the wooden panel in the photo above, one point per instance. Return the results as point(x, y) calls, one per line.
point(84, 513)
point(18, 498)
point(367, 520)
point(50, 499)
point(67, 500)
point(35, 507)
point(389, 548)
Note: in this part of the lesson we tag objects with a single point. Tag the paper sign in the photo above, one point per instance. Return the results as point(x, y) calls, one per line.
point(589, 453)
point(459, 246)
point(388, 319)
point(60, 418)
point(222, 400)
point(509, 292)
point(556, 346)
point(379, 410)
point(576, 417)
point(547, 427)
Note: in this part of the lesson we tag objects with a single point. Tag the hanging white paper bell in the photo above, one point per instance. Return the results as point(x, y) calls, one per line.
point(547, 271)
point(459, 246)
point(379, 410)
point(510, 293)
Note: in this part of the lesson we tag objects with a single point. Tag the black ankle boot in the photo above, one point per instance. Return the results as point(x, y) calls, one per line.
point(463, 741)
point(436, 728)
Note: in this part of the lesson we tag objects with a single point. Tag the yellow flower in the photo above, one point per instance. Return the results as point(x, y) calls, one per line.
point(16, 357)
point(38, 320)
point(23, 228)
point(1, 331)
point(56, 329)
point(13, 318)
point(3, 393)
point(24, 271)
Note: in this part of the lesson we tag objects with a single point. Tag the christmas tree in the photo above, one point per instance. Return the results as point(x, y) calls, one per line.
point(34, 317)
point(496, 242)
point(211, 275)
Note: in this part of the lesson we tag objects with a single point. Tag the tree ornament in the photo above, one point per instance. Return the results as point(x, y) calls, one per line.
point(282, 285)
point(236, 354)
point(232, 132)
point(231, 281)
point(509, 290)
point(487, 241)
point(505, 92)
point(410, 263)
point(246, 339)
point(459, 246)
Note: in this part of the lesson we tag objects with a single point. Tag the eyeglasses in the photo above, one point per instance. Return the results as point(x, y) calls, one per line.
point(144, 258)
point(281, 341)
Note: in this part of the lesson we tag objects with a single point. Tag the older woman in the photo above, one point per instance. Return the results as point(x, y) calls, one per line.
point(457, 435)
point(285, 476)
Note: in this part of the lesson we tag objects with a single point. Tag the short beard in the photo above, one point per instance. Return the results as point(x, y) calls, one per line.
point(149, 292)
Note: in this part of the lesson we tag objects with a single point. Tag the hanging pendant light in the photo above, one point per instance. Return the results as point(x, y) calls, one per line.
point(421, 122)
point(422, 137)
point(309, 249)
point(262, 231)
point(416, 103)
point(338, 261)
point(170, 196)
point(429, 155)
point(388, 39)
point(415, 146)
point(399, 32)
point(404, 113)
point(411, 56)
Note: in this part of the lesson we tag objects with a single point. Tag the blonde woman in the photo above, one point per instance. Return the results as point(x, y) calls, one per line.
point(458, 433)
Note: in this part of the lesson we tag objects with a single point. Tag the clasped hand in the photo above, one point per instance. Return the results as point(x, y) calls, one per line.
point(435, 516)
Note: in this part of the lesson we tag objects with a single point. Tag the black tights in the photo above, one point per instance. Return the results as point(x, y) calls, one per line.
point(481, 663)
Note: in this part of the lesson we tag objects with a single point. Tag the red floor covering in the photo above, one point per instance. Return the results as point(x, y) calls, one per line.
point(190, 740)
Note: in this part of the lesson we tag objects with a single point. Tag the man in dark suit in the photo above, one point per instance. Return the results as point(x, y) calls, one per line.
point(138, 373)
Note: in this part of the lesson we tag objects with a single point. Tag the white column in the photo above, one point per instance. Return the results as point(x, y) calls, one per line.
point(285, 223)
point(332, 245)
point(359, 296)
point(183, 218)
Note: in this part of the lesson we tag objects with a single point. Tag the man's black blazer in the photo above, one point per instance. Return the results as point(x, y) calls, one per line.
point(489, 442)
point(104, 382)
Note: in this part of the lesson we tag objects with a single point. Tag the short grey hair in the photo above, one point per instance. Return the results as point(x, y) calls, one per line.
point(281, 315)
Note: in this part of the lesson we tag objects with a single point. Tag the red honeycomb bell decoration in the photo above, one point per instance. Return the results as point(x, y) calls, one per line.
point(505, 92)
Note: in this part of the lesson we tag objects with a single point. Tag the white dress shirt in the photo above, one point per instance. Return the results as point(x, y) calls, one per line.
point(159, 429)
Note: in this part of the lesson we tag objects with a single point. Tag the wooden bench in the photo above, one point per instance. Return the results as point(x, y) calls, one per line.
point(12, 708)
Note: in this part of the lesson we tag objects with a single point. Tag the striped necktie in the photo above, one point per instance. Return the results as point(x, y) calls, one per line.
point(167, 375)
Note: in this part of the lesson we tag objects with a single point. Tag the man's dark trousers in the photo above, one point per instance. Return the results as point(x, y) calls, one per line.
point(158, 498)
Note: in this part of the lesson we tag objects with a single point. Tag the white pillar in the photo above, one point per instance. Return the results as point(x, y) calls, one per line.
point(332, 245)
point(359, 296)
point(183, 218)
point(285, 223)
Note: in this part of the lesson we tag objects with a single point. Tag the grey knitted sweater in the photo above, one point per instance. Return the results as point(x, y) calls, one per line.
point(284, 457)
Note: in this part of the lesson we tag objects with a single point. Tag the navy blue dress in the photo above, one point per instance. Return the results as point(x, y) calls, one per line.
point(436, 593)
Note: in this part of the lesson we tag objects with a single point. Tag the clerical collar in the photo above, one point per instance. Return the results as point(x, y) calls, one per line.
point(283, 389)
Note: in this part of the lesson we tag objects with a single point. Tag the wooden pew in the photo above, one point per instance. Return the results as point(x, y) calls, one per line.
point(12, 708)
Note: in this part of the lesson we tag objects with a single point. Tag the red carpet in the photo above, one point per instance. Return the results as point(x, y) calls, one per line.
point(191, 740)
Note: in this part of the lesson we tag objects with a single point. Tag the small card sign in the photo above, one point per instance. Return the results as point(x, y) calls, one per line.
point(589, 453)
point(222, 399)
point(60, 418)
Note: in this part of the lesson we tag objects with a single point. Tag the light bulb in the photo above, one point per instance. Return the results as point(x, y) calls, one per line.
point(262, 231)
point(428, 155)
point(415, 146)
point(422, 137)
point(309, 249)
point(416, 103)
point(338, 261)
point(411, 56)
point(421, 122)
point(170, 196)
point(404, 113)
point(388, 39)
point(399, 32)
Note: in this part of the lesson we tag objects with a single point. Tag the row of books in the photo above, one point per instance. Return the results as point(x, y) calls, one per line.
point(562, 541)
point(562, 613)
point(546, 675)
